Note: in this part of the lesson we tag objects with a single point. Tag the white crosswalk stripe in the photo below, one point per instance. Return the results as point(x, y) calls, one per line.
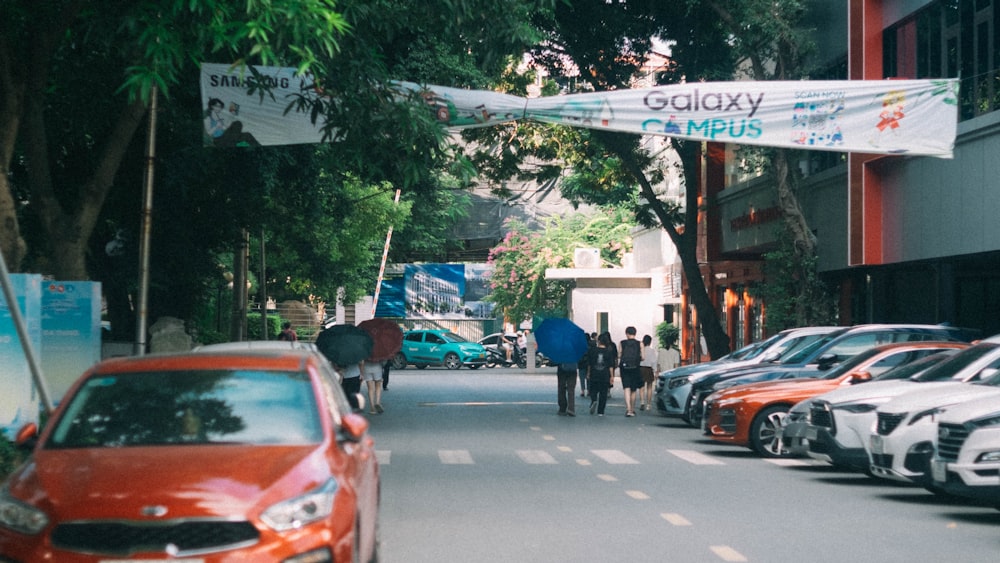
point(536, 457)
point(455, 457)
point(697, 458)
point(614, 457)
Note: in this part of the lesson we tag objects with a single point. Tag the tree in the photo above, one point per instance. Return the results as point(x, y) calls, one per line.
point(109, 56)
point(607, 43)
point(75, 80)
point(518, 283)
point(771, 37)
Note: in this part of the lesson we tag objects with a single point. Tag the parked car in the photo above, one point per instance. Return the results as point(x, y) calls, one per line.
point(902, 441)
point(822, 354)
point(967, 458)
point(424, 348)
point(673, 390)
point(750, 415)
point(838, 433)
point(209, 457)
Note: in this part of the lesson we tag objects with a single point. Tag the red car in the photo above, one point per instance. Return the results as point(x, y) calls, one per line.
point(751, 415)
point(203, 457)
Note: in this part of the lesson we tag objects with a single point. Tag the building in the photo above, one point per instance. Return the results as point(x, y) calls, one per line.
point(901, 239)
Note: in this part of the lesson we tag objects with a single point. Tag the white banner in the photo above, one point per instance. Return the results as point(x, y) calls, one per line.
point(915, 117)
point(233, 118)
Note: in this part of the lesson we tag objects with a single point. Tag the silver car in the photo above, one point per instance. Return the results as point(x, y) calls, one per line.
point(673, 390)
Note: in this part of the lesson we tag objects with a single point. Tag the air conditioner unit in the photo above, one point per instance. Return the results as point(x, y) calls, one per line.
point(587, 258)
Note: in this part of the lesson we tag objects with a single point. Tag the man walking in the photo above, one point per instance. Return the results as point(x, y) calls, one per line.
point(630, 358)
point(566, 378)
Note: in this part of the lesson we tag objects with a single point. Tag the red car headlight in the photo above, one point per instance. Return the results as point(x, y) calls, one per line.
point(21, 517)
point(299, 511)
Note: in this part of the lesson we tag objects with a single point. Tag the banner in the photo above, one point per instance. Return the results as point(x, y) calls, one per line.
point(914, 117)
point(233, 118)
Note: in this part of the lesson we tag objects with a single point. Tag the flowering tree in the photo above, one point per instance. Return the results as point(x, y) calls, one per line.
point(518, 283)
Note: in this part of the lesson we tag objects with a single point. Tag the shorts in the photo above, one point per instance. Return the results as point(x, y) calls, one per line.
point(647, 374)
point(373, 372)
point(631, 379)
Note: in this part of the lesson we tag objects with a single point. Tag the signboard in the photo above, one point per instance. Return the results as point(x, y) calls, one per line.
point(19, 401)
point(435, 291)
point(71, 332)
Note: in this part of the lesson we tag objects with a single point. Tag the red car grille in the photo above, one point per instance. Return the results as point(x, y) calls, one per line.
point(124, 538)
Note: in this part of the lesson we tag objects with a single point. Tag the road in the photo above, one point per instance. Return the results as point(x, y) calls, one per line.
point(476, 466)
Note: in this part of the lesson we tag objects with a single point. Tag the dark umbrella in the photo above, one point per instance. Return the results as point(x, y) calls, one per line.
point(561, 340)
point(386, 335)
point(344, 344)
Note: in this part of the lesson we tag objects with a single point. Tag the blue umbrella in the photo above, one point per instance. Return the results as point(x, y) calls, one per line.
point(561, 340)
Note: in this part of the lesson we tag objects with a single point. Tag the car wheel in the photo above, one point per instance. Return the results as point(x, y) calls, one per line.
point(452, 361)
point(399, 361)
point(764, 432)
point(688, 414)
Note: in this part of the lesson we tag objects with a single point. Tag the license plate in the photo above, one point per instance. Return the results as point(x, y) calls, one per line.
point(877, 446)
point(939, 470)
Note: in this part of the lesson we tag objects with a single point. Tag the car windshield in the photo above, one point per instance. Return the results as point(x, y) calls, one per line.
point(887, 363)
point(801, 351)
point(916, 367)
point(452, 337)
point(956, 364)
point(190, 407)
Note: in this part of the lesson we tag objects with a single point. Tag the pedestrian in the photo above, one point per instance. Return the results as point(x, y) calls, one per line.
point(287, 332)
point(351, 383)
point(372, 375)
point(629, 362)
point(582, 366)
point(667, 357)
point(566, 385)
point(601, 363)
point(647, 367)
point(386, 365)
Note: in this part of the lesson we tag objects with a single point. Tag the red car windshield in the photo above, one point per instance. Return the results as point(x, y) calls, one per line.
point(190, 407)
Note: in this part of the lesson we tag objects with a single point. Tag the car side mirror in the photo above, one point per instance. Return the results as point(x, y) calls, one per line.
point(826, 361)
point(353, 427)
point(27, 436)
point(860, 377)
point(770, 357)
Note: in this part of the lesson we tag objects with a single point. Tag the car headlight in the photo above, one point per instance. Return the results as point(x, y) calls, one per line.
point(299, 511)
point(678, 381)
point(21, 517)
point(925, 414)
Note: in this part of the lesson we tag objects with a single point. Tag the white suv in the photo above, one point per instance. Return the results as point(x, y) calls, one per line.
point(902, 441)
point(967, 462)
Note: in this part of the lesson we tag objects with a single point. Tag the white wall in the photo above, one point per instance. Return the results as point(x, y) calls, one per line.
point(625, 307)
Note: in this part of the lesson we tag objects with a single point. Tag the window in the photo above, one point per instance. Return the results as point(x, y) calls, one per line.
point(948, 39)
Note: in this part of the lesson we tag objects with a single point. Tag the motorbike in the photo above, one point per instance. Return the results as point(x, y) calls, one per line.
point(496, 357)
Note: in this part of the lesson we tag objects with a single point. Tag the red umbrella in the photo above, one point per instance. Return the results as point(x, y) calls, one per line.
point(386, 335)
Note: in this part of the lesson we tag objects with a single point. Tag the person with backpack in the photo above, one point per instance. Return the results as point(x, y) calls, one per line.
point(601, 362)
point(629, 362)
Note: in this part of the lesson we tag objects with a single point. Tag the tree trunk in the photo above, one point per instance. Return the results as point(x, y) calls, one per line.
point(685, 239)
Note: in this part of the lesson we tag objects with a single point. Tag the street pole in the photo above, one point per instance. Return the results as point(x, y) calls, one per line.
point(385, 256)
point(142, 311)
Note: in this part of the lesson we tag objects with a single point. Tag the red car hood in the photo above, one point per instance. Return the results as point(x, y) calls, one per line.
point(224, 481)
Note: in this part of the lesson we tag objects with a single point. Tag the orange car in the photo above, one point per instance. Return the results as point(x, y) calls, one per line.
point(204, 457)
point(750, 415)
